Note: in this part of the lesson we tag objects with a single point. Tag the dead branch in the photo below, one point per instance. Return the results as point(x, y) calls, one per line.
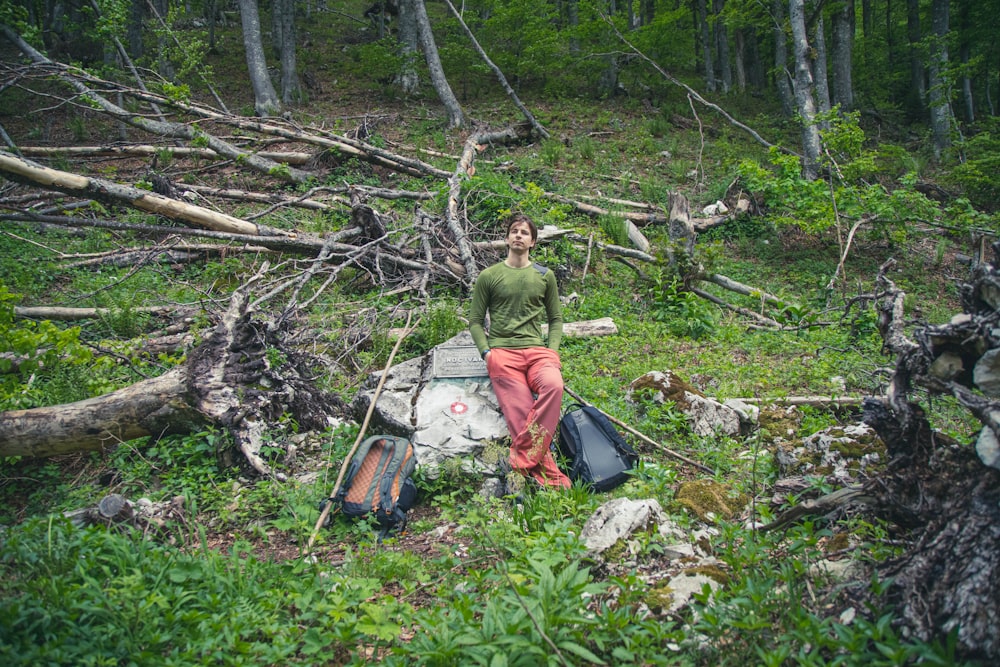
point(496, 71)
point(746, 312)
point(465, 168)
point(847, 247)
point(615, 250)
point(734, 286)
point(849, 495)
point(692, 93)
point(186, 132)
point(815, 401)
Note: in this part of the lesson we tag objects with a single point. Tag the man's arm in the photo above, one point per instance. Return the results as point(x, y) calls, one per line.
point(553, 311)
point(477, 315)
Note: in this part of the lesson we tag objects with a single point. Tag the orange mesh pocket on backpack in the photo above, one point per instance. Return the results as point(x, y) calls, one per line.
point(372, 467)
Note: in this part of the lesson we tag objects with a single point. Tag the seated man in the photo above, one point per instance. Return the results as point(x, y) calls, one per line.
point(524, 368)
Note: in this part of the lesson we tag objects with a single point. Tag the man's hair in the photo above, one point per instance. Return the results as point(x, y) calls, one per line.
point(515, 218)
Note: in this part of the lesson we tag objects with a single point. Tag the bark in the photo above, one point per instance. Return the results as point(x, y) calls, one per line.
point(965, 56)
point(409, 46)
point(153, 407)
point(939, 86)
point(722, 44)
point(284, 22)
point(782, 78)
point(917, 93)
point(842, 52)
point(24, 171)
point(136, 150)
point(739, 59)
point(266, 102)
point(819, 72)
point(706, 45)
point(451, 106)
point(70, 314)
point(947, 493)
point(804, 91)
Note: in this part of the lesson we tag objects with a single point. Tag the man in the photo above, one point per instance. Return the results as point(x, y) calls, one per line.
point(524, 368)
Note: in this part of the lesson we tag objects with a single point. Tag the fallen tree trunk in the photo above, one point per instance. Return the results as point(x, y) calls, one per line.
point(145, 150)
point(220, 383)
point(154, 407)
point(69, 314)
point(30, 173)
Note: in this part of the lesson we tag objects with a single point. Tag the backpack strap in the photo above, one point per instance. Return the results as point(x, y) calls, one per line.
point(399, 458)
point(542, 270)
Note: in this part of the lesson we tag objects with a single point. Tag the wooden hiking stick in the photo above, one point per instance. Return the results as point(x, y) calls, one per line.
point(642, 437)
point(407, 330)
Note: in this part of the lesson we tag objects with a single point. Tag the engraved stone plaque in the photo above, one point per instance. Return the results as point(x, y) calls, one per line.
point(458, 361)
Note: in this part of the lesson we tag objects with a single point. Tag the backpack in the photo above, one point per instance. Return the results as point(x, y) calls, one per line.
point(598, 455)
point(377, 482)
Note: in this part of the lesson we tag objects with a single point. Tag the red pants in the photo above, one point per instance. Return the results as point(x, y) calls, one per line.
point(518, 376)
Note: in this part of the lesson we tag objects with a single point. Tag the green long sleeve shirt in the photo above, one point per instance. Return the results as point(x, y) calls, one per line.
point(518, 301)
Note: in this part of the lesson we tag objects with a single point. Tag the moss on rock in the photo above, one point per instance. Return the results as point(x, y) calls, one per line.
point(706, 497)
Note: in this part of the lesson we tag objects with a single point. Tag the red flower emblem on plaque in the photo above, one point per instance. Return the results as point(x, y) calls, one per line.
point(458, 407)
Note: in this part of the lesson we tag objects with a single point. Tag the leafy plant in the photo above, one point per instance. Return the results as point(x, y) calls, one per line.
point(38, 360)
point(684, 313)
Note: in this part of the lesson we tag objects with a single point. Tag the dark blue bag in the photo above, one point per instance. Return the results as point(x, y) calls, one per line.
point(599, 456)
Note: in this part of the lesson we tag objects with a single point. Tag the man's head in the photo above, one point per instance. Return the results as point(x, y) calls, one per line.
point(522, 219)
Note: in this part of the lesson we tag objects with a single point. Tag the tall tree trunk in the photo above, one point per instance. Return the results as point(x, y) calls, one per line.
point(940, 86)
point(706, 45)
point(722, 43)
point(284, 23)
point(648, 11)
point(409, 45)
point(867, 19)
point(573, 19)
point(739, 59)
point(917, 93)
point(965, 56)
point(755, 66)
point(842, 54)
point(804, 90)
point(819, 72)
point(161, 9)
point(211, 14)
point(137, 13)
point(265, 99)
point(438, 79)
point(782, 79)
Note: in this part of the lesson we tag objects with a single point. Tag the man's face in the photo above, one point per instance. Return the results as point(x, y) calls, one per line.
point(519, 236)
